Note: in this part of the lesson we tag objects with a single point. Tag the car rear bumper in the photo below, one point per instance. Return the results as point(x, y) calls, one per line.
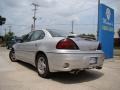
point(68, 60)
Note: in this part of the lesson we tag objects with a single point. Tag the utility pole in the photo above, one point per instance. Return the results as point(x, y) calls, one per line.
point(72, 27)
point(31, 27)
point(9, 27)
point(5, 31)
point(98, 19)
point(34, 17)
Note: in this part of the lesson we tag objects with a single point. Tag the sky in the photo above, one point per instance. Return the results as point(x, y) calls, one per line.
point(54, 14)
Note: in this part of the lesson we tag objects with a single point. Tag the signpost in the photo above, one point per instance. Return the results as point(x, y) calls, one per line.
point(106, 29)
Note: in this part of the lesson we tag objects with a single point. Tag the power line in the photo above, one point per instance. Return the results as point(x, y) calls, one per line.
point(14, 25)
point(52, 24)
point(93, 7)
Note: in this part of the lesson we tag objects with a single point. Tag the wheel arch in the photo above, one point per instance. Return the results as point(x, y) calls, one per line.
point(12, 48)
point(38, 53)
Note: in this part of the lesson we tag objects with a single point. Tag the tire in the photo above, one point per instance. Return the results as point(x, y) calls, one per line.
point(42, 66)
point(7, 47)
point(12, 56)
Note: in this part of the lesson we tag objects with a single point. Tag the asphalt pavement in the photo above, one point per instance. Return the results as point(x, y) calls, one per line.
point(22, 76)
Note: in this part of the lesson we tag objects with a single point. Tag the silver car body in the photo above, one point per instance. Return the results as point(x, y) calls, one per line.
point(57, 58)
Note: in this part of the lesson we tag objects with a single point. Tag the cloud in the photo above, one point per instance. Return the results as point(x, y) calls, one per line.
point(51, 13)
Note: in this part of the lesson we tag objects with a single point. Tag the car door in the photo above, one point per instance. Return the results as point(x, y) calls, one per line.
point(31, 46)
point(21, 47)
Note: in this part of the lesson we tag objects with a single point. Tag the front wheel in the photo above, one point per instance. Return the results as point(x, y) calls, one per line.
point(12, 56)
point(42, 66)
point(7, 47)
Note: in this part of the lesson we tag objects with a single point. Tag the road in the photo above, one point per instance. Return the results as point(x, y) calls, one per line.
point(22, 76)
point(117, 52)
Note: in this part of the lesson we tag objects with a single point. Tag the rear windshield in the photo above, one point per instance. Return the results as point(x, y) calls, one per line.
point(56, 34)
point(60, 33)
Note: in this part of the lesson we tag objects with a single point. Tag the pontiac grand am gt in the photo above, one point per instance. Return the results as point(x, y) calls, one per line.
point(50, 52)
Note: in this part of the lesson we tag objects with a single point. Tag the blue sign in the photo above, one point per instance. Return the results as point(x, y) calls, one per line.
point(106, 29)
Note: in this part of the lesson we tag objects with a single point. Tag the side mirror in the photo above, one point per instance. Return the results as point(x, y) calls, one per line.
point(20, 41)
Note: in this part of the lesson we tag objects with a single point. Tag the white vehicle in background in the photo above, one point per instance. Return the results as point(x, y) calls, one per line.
point(51, 52)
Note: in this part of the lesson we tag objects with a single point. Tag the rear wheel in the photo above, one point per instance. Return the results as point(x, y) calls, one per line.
point(42, 66)
point(12, 55)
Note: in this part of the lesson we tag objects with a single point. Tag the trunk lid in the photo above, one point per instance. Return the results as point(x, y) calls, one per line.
point(86, 44)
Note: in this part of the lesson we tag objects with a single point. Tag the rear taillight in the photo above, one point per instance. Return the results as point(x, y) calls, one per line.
point(99, 47)
point(66, 44)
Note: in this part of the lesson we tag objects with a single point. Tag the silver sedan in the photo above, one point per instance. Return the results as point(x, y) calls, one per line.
point(49, 52)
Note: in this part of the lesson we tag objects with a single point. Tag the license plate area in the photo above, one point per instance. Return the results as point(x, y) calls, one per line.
point(93, 60)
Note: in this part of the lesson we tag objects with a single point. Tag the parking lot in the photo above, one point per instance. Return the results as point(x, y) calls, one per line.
point(22, 76)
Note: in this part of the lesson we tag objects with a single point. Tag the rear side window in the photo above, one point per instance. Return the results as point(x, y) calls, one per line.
point(37, 35)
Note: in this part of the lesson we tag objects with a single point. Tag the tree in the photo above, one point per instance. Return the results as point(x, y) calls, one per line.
point(8, 36)
point(119, 32)
point(90, 36)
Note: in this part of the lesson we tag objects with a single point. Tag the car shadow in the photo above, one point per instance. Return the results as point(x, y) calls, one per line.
point(68, 78)
point(27, 65)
